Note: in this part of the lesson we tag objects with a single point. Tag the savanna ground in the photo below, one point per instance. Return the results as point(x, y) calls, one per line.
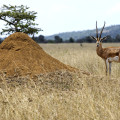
point(63, 95)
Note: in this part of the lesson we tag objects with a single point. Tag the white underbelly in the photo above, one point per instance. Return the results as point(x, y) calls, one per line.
point(113, 59)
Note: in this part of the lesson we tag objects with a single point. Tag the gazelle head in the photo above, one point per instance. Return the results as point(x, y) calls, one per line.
point(98, 38)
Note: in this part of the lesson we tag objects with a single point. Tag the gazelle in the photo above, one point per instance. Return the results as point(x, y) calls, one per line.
point(109, 54)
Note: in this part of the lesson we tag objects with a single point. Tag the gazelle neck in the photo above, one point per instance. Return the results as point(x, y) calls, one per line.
point(99, 49)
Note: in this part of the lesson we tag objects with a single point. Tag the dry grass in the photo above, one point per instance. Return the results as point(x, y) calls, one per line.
point(63, 95)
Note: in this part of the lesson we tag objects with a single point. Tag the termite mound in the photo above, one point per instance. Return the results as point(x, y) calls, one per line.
point(20, 55)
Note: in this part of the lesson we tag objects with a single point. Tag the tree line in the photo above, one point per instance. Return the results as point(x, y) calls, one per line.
point(109, 39)
point(58, 39)
point(87, 39)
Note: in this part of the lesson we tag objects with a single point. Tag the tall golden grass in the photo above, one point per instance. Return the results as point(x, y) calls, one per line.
point(63, 95)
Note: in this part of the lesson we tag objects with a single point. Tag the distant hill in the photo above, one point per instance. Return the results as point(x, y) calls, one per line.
point(111, 30)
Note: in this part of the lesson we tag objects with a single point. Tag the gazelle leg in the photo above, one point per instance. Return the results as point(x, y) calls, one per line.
point(106, 66)
point(110, 68)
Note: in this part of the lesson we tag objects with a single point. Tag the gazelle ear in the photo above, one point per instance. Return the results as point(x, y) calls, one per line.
point(103, 38)
point(93, 38)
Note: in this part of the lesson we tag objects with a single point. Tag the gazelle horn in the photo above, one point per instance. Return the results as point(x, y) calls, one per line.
point(101, 31)
point(96, 30)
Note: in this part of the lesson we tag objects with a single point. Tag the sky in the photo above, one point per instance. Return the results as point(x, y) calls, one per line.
point(57, 16)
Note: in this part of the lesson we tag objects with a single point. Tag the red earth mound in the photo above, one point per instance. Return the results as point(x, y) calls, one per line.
point(21, 56)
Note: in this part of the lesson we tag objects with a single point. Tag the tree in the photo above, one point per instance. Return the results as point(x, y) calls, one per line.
point(18, 19)
point(41, 39)
point(88, 39)
point(71, 40)
point(58, 39)
point(109, 39)
point(117, 38)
